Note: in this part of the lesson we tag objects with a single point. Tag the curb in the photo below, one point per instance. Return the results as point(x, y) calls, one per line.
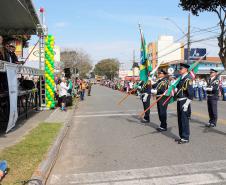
point(40, 176)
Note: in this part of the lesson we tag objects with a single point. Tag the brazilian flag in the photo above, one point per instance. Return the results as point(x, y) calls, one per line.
point(145, 64)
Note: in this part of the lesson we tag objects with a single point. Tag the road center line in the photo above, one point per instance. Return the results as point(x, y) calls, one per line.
point(113, 115)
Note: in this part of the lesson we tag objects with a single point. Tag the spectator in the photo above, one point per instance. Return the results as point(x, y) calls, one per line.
point(2, 50)
point(76, 88)
point(58, 92)
point(12, 50)
point(89, 87)
point(200, 89)
point(204, 89)
point(224, 89)
point(8, 57)
point(63, 93)
point(195, 87)
point(130, 85)
point(70, 86)
point(82, 89)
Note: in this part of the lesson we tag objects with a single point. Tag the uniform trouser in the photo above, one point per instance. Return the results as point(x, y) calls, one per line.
point(82, 94)
point(200, 93)
point(195, 92)
point(204, 94)
point(212, 109)
point(183, 120)
point(189, 111)
point(146, 105)
point(224, 93)
point(162, 112)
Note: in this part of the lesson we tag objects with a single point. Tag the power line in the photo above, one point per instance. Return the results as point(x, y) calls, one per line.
point(205, 29)
point(195, 41)
point(173, 43)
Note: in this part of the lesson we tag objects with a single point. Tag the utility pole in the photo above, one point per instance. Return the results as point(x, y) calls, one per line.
point(189, 39)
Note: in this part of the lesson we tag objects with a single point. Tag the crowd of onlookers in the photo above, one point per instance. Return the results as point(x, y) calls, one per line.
point(67, 88)
point(199, 86)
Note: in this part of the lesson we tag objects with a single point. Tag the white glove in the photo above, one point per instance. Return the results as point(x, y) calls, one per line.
point(139, 87)
point(176, 89)
point(145, 97)
point(186, 104)
point(209, 88)
point(154, 91)
point(153, 82)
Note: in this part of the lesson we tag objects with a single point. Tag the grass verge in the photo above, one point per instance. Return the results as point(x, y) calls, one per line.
point(24, 157)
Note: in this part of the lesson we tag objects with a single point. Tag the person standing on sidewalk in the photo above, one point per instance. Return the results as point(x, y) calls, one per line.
point(212, 97)
point(195, 87)
point(204, 89)
point(224, 89)
point(200, 89)
point(89, 86)
point(63, 93)
point(82, 89)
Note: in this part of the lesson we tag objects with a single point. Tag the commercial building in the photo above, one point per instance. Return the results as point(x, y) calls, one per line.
point(169, 54)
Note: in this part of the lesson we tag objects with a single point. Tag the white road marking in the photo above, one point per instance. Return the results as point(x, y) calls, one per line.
point(195, 173)
point(196, 179)
point(111, 111)
point(112, 115)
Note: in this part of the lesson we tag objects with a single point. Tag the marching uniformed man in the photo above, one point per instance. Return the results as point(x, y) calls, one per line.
point(212, 91)
point(145, 93)
point(184, 97)
point(158, 89)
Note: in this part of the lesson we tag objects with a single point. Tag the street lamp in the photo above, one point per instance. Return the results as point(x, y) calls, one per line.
point(175, 24)
point(188, 34)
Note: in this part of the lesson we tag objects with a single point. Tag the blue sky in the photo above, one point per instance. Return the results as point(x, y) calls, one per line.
point(109, 29)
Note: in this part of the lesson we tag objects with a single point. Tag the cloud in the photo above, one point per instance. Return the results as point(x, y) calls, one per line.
point(122, 50)
point(61, 24)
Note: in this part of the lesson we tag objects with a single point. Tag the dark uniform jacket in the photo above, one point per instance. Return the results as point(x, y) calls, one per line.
point(13, 57)
point(214, 83)
point(185, 88)
point(161, 86)
point(145, 88)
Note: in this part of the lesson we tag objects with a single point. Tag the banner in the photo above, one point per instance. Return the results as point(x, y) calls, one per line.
point(35, 54)
point(13, 93)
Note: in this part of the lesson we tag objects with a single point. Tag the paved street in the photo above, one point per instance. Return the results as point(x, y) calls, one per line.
point(108, 145)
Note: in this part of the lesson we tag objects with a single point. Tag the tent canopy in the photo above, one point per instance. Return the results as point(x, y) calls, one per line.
point(18, 17)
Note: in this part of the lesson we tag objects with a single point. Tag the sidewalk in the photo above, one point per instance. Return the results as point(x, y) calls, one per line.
point(24, 126)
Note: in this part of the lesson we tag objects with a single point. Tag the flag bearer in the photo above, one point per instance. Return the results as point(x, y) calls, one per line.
point(158, 89)
point(184, 97)
point(145, 94)
point(212, 97)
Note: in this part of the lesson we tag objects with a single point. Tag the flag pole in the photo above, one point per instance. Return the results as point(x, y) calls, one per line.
point(152, 105)
point(125, 97)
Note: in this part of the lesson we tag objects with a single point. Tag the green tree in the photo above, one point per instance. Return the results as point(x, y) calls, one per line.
point(107, 67)
point(219, 8)
point(77, 59)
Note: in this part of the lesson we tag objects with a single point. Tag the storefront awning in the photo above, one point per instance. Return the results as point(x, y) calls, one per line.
point(18, 17)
